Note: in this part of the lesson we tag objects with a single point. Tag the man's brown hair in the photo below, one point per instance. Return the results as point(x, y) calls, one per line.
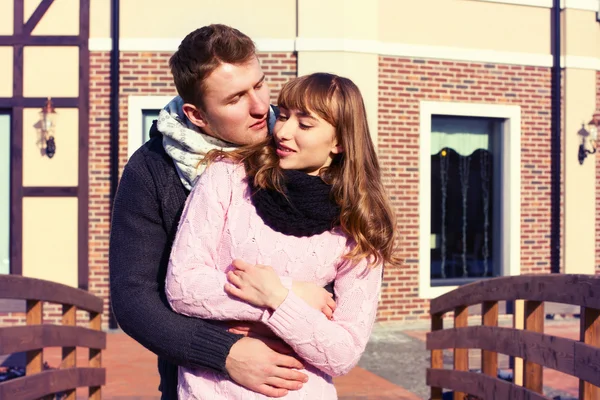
point(201, 52)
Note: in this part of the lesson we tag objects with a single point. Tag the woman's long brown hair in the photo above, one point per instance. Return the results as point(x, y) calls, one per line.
point(354, 174)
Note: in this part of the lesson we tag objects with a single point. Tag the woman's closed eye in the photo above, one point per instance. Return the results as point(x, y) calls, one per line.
point(282, 117)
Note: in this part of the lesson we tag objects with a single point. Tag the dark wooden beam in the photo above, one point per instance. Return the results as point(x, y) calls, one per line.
point(49, 191)
point(37, 15)
point(38, 102)
point(25, 40)
point(84, 137)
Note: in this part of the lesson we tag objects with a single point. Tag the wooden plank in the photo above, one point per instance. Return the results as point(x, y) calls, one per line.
point(16, 339)
point(35, 360)
point(69, 354)
point(479, 385)
point(51, 381)
point(550, 351)
point(518, 323)
point(489, 359)
point(534, 321)
point(461, 355)
point(56, 191)
point(437, 355)
point(18, 287)
point(47, 40)
point(578, 290)
point(37, 102)
point(590, 335)
point(95, 392)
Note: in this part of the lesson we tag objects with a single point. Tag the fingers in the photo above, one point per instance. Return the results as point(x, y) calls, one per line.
point(233, 291)
point(270, 391)
point(327, 311)
point(240, 264)
point(290, 375)
point(331, 304)
point(284, 383)
point(234, 279)
point(288, 362)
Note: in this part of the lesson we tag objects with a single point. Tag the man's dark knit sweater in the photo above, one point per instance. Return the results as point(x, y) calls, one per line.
point(147, 207)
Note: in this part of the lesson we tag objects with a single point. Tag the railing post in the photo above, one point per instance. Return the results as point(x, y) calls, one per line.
point(489, 359)
point(35, 358)
point(437, 356)
point(534, 321)
point(69, 355)
point(461, 356)
point(589, 332)
point(95, 355)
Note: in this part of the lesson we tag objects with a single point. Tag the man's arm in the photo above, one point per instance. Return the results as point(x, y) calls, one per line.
point(138, 252)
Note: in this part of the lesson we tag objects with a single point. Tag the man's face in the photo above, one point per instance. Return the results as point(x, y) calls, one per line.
point(236, 103)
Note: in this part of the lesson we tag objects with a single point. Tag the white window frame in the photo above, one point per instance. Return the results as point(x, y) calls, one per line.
point(511, 183)
point(136, 106)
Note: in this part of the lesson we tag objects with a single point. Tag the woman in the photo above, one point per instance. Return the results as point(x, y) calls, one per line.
point(307, 206)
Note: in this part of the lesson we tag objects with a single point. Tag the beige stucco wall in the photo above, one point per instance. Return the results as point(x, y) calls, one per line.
point(6, 71)
point(155, 19)
point(349, 19)
point(62, 169)
point(6, 17)
point(468, 24)
point(362, 69)
point(580, 180)
point(582, 33)
point(50, 239)
point(62, 18)
point(50, 71)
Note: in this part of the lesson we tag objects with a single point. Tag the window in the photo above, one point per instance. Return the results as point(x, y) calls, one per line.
point(465, 207)
point(469, 197)
point(4, 193)
point(142, 111)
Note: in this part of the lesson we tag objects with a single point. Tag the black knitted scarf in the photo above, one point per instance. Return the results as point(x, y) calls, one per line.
point(307, 210)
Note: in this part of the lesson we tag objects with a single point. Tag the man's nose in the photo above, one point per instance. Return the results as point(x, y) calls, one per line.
point(258, 107)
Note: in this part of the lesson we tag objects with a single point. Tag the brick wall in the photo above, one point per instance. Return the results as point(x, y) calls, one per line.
point(403, 83)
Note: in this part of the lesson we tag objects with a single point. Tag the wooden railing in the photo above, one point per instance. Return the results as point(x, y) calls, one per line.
point(35, 336)
point(577, 358)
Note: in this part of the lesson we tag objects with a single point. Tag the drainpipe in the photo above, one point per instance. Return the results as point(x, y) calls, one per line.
point(555, 242)
point(114, 116)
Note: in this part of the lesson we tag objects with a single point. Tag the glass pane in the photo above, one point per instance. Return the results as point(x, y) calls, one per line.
point(148, 117)
point(4, 193)
point(463, 223)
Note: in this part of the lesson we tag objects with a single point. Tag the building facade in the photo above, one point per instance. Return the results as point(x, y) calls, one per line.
point(459, 100)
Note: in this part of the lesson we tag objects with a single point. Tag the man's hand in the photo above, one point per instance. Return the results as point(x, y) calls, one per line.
point(260, 331)
point(316, 297)
point(252, 364)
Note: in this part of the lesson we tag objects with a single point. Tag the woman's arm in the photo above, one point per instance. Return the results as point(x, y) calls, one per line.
point(334, 346)
point(194, 284)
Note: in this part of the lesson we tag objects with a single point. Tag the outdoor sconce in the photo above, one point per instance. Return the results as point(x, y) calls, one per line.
point(48, 123)
point(590, 135)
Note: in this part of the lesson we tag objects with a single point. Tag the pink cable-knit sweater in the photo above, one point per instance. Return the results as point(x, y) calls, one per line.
point(219, 224)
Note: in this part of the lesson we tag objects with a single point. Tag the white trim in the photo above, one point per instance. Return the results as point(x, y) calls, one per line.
point(580, 62)
point(531, 3)
point(511, 161)
point(370, 47)
point(135, 106)
point(587, 5)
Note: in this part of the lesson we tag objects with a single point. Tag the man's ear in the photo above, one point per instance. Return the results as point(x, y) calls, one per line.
point(195, 115)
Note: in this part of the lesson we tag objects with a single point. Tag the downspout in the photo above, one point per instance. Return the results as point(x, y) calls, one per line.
point(556, 151)
point(114, 115)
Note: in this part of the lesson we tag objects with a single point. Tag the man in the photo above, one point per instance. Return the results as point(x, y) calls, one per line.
point(224, 102)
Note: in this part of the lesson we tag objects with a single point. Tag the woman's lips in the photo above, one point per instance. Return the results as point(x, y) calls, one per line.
point(284, 151)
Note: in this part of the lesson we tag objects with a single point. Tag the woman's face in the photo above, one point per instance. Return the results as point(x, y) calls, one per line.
point(305, 142)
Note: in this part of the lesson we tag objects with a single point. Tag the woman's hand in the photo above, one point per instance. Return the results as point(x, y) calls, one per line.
point(315, 296)
point(257, 284)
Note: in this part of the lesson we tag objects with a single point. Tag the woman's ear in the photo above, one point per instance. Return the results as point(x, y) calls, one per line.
point(337, 149)
point(195, 115)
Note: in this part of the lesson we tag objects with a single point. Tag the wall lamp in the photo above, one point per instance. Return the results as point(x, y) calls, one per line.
point(589, 136)
point(47, 124)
